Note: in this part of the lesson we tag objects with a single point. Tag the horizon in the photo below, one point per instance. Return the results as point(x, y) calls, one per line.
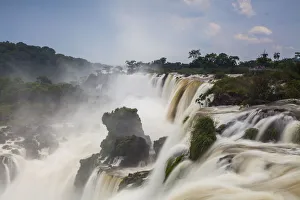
point(115, 31)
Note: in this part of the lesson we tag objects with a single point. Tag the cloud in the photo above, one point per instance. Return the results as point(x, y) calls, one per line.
point(260, 30)
point(204, 4)
point(213, 29)
point(253, 35)
point(252, 39)
point(244, 7)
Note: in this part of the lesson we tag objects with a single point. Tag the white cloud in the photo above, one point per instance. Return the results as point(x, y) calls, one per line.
point(260, 30)
point(204, 4)
point(244, 7)
point(213, 29)
point(252, 39)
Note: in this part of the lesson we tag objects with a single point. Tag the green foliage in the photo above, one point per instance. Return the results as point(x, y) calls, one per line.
point(171, 164)
point(19, 59)
point(220, 75)
point(41, 97)
point(250, 134)
point(203, 136)
point(253, 89)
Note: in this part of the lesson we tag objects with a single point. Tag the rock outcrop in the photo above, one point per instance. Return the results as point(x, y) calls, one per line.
point(158, 144)
point(134, 180)
point(125, 138)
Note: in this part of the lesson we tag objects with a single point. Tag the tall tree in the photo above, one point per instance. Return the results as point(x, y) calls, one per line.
point(194, 54)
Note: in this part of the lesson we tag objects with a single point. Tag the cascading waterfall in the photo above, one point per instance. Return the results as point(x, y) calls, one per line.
point(233, 168)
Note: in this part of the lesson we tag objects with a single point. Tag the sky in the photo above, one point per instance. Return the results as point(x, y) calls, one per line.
point(113, 31)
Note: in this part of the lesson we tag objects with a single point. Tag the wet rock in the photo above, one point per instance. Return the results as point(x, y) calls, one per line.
point(250, 134)
point(158, 144)
point(86, 168)
point(134, 180)
point(133, 149)
point(125, 138)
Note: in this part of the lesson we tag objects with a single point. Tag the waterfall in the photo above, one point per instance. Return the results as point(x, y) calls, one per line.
point(233, 168)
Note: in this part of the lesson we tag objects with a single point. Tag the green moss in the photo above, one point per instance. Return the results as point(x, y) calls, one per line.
point(172, 163)
point(203, 136)
point(250, 134)
point(271, 135)
point(185, 119)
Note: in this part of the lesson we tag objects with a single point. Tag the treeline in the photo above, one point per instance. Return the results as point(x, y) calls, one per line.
point(29, 62)
point(21, 100)
point(216, 63)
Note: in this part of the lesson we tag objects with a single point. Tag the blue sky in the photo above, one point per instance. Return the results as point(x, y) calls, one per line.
point(112, 31)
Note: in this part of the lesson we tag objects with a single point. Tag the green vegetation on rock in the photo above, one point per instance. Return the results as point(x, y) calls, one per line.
point(270, 135)
point(250, 134)
point(171, 164)
point(203, 136)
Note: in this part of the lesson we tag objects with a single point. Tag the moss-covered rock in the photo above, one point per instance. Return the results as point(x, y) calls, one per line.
point(221, 128)
point(158, 144)
point(250, 134)
point(203, 136)
point(185, 119)
point(270, 135)
point(134, 180)
point(172, 163)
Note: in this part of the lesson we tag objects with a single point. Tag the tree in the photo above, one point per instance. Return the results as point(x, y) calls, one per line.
point(163, 60)
point(276, 56)
point(194, 54)
point(234, 60)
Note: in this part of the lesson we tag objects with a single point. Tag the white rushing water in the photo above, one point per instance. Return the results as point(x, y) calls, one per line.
point(232, 169)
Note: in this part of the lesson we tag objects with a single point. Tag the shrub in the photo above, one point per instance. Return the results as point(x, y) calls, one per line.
point(202, 137)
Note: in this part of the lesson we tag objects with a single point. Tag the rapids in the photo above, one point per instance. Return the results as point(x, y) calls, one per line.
point(232, 169)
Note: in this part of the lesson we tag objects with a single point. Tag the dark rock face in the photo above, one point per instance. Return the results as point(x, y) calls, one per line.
point(123, 122)
point(86, 168)
point(132, 148)
point(157, 145)
point(134, 180)
point(125, 137)
point(125, 140)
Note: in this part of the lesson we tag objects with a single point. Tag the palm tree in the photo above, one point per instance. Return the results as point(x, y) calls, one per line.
point(276, 56)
